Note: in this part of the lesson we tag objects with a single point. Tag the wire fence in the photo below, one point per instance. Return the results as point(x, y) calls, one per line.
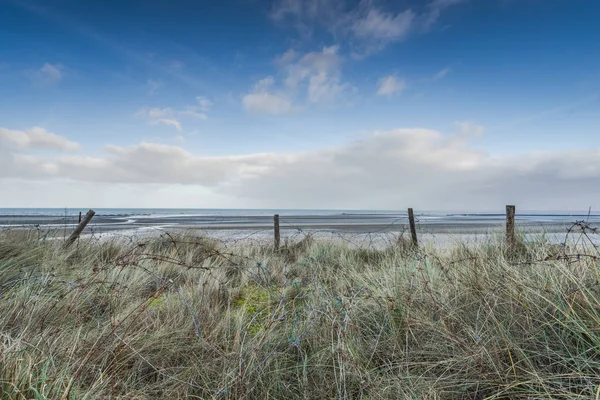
point(378, 231)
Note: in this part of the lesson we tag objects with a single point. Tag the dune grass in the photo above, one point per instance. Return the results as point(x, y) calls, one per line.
point(188, 317)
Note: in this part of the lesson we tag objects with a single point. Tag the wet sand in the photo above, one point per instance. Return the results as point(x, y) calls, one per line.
point(354, 228)
point(349, 223)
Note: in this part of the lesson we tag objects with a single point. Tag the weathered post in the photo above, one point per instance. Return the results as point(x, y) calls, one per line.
point(276, 231)
point(86, 220)
point(510, 226)
point(413, 228)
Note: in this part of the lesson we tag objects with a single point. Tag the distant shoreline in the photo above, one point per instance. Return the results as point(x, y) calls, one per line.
point(324, 221)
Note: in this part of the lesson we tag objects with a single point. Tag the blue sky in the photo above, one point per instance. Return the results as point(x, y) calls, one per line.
point(249, 90)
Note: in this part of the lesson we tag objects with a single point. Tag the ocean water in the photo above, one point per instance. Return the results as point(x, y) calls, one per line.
point(344, 220)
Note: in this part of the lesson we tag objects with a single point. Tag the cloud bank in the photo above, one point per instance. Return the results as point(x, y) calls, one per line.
point(392, 169)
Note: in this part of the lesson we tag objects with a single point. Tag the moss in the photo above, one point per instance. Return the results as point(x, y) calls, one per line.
point(253, 299)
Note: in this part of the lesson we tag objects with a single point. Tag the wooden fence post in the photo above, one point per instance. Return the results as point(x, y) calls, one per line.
point(276, 231)
point(413, 228)
point(510, 225)
point(86, 220)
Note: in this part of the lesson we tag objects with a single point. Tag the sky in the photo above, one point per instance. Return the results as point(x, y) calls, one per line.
point(325, 104)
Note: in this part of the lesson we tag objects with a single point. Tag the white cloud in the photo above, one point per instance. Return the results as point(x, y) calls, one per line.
point(264, 84)
point(48, 74)
point(261, 100)
point(315, 75)
point(160, 116)
point(324, 88)
point(318, 73)
point(168, 121)
point(156, 113)
point(389, 85)
point(170, 116)
point(438, 172)
point(198, 111)
point(35, 138)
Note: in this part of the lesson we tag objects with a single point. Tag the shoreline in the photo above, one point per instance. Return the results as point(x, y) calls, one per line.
point(264, 237)
point(360, 229)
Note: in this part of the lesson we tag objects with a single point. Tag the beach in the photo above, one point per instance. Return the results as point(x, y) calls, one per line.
point(377, 228)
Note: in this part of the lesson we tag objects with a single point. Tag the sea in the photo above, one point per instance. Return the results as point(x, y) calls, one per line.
point(373, 228)
point(108, 219)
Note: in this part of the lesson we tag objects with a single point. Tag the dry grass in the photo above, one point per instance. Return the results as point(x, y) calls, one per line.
point(186, 317)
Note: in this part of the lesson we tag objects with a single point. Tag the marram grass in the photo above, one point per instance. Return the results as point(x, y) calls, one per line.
point(185, 317)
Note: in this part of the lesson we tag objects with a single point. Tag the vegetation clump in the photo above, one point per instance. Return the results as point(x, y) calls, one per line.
point(181, 316)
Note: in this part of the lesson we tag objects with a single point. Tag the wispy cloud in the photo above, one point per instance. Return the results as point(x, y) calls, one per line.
point(48, 74)
point(167, 121)
point(544, 114)
point(171, 117)
point(204, 103)
point(286, 58)
point(313, 78)
point(174, 68)
point(153, 86)
point(366, 26)
point(319, 73)
point(441, 74)
point(389, 85)
point(377, 29)
point(435, 9)
point(200, 110)
point(160, 116)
